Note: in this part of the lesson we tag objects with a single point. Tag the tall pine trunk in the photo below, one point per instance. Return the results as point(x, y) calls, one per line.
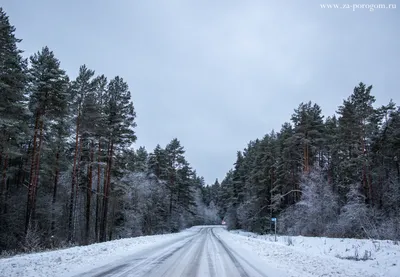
point(77, 208)
point(53, 202)
point(71, 200)
point(1, 186)
point(89, 195)
point(294, 198)
point(112, 218)
point(78, 167)
point(4, 188)
point(101, 227)
point(305, 157)
point(270, 197)
point(36, 180)
point(170, 209)
point(31, 176)
point(106, 195)
point(102, 235)
point(98, 194)
point(24, 165)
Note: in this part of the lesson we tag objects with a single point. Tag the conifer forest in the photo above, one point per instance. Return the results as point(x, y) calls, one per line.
point(71, 173)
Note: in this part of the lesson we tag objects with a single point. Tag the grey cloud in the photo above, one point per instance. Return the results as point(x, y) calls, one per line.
point(216, 74)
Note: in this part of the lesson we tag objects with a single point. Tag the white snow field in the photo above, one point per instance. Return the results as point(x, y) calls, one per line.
point(320, 256)
point(212, 251)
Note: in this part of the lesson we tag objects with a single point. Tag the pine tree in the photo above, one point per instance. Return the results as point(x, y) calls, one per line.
point(238, 186)
point(385, 149)
point(331, 149)
point(58, 145)
point(224, 195)
point(141, 159)
point(214, 189)
point(356, 128)
point(186, 188)
point(264, 171)
point(175, 160)
point(81, 87)
point(120, 116)
point(90, 127)
point(288, 168)
point(158, 163)
point(12, 102)
point(48, 101)
point(100, 91)
point(308, 125)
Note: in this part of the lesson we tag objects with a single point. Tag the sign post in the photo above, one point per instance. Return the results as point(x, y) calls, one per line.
point(274, 220)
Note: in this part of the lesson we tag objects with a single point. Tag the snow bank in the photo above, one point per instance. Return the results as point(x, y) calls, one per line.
point(71, 261)
point(320, 256)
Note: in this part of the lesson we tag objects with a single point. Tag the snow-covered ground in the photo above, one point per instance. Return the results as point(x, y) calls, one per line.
point(320, 256)
point(71, 261)
point(213, 251)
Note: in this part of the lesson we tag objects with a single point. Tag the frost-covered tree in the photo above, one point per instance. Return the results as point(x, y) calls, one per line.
point(317, 208)
point(355, 217)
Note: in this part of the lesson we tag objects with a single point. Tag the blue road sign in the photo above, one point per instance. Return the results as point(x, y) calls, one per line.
point(273, 219)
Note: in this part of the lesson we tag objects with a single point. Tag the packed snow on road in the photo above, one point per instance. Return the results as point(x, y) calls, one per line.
point(214, 251)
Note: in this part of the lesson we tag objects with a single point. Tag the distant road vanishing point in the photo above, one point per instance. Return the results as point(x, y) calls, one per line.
point(202, 254)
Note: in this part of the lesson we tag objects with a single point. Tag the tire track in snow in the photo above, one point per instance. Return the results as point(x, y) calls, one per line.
point(184, 262)
point(193, 270)
point(118, 271)
point(238, 266)
point(234, 254)
point(148, 263)
point(211, 267)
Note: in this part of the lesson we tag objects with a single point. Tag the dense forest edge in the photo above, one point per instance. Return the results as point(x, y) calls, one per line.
point(69, 172)
point(335, 177)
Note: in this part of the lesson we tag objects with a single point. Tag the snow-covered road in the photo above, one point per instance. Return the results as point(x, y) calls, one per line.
point(202, 254)
point(213, 251)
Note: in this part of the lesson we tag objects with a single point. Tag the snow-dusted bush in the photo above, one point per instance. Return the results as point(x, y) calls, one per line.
point(211, 214)
point(389, 229)
point(356, 219)
point(138, 205)
point(317, 208)
point(289, 241)
point(205, 214)
point(32, 240)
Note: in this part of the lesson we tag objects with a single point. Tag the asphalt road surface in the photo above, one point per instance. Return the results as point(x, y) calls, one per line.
point(202, 254)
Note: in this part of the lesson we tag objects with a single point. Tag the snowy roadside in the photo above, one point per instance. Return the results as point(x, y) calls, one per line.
point(78, 259)
point(314, 256)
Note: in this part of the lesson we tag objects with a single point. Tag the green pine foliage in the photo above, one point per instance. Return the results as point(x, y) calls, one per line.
point(334, 177)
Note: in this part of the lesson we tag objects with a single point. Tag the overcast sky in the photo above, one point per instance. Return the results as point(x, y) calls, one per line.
point(217, 74)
